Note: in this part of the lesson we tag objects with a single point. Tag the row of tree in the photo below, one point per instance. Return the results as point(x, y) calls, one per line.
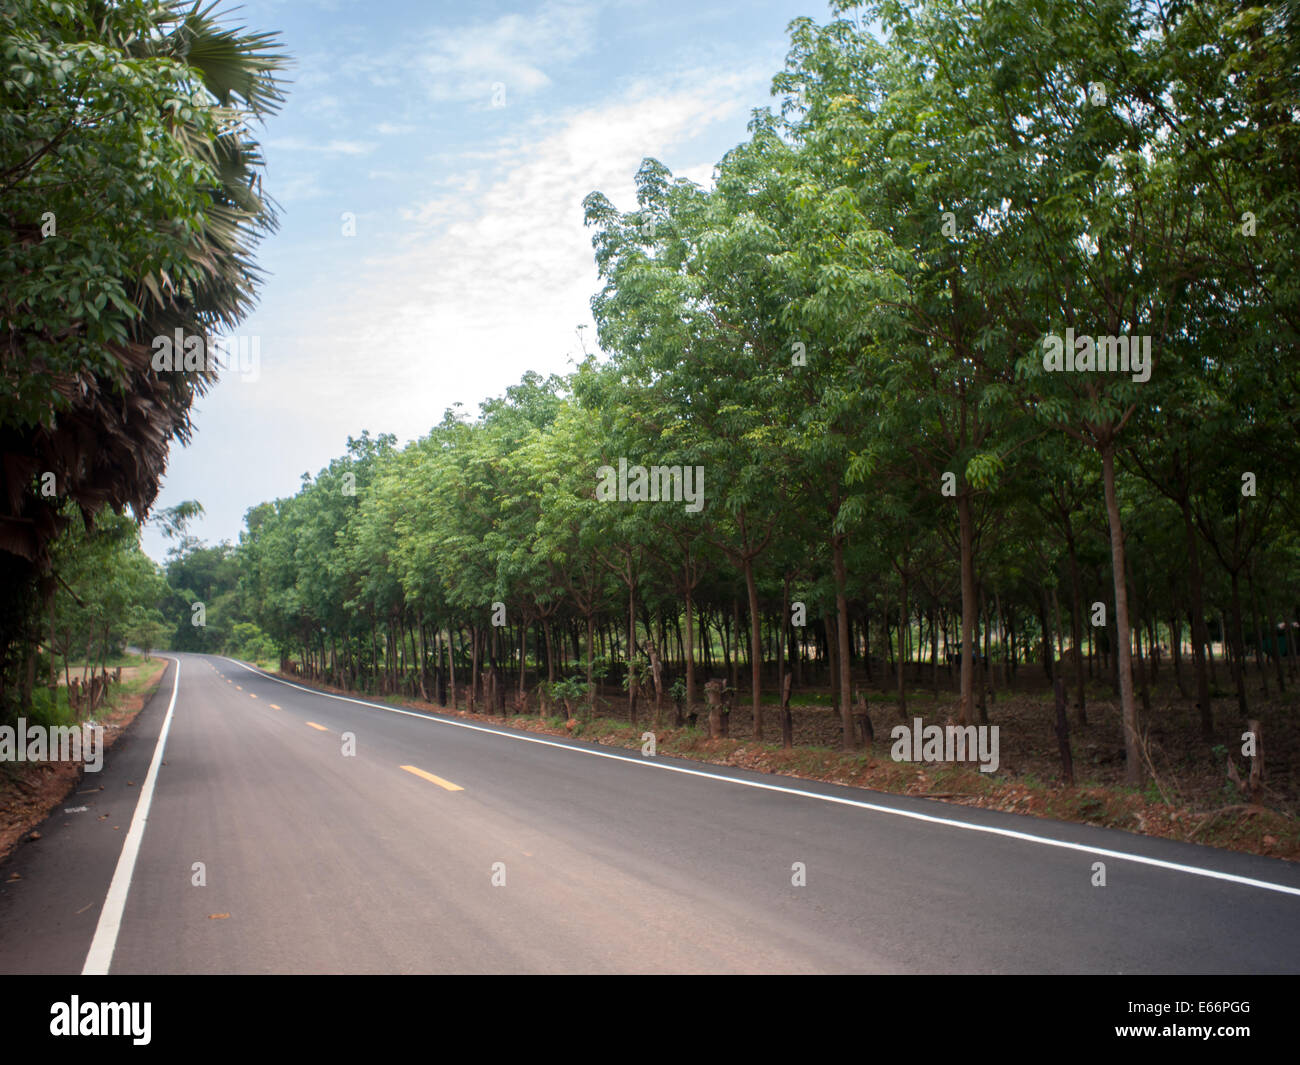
point(855, 344)
point(849, 410)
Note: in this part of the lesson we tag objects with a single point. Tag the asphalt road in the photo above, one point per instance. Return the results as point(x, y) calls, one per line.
point(558, 856)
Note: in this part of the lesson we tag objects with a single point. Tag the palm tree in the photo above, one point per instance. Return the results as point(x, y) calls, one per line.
point(105, 424)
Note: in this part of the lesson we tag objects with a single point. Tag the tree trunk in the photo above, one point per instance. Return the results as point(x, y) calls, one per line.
point(690, 654)
point(472, 698)
point(866, 643)
point(1239, 648)
point(1001, 642)
point(735, 645)
point(787, 718)
point(498, 701)
point(1141, 669)
point(523, 656)
point(631, 652)
point(1200, 633)
point(713, 693)
point(1277, 656)
point(1133, 765)
point(1048, 662)
point(1176, 651)
point(755, 650)
point(421, 658)
point(591, 687)
point(850, 740)
point(1063, 733)
point(726, 645)
point(451, 666)
point(967, 608)
point(902, 628)
point(781, 668)
point(934, 652)
point(1259, 632)
point(1209, 652)
point(1292, 654)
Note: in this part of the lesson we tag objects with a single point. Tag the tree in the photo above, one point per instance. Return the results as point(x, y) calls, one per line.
point(132, 206)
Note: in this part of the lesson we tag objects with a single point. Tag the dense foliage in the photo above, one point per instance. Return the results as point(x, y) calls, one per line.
point(854, 412)
point(856, 335)
point(130, 204)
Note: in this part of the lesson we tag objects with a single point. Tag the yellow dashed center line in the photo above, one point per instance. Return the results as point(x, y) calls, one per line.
point(239, 688)
point(433, 779)
point(251, 695)
point(316, 726)
point(273, 706)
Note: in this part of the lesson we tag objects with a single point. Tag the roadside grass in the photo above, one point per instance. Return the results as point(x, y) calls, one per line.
point(30, 790)
point(54, 709)
point(77, 666)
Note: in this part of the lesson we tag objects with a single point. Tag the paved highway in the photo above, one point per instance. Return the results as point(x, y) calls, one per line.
point(440, 846)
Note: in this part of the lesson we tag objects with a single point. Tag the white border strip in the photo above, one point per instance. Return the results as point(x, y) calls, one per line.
point(100, 956)
point(1046, 841)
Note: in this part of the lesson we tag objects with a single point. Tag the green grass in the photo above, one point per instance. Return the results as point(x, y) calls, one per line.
point(77, 667)
point(54, 710)
point(50, 710)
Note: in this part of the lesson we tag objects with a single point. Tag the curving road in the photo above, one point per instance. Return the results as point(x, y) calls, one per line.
point(444, 847)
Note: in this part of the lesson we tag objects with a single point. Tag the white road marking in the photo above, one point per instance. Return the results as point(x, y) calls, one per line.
point(1008, 833)
point(100, 955)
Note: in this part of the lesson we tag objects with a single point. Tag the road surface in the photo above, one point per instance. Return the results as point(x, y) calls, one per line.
point(445, 847)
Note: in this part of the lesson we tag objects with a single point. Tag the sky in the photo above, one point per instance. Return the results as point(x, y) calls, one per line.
point(430, 163)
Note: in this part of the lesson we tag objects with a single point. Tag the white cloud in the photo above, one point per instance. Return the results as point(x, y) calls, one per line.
point(297, 188)
point(495, 272)
point(465, 63)
point(341, 147)
point(315, 103)
point(332, 147)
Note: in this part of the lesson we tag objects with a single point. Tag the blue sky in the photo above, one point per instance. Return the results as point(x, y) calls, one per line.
point(457, 141)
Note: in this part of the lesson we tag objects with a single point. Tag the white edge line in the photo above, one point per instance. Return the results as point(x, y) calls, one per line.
point(100, 955)
point(1046, 841)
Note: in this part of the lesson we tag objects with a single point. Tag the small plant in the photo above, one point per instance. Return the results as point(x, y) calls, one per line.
point(677, 693)
point(636, 673)
point(570, 692)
